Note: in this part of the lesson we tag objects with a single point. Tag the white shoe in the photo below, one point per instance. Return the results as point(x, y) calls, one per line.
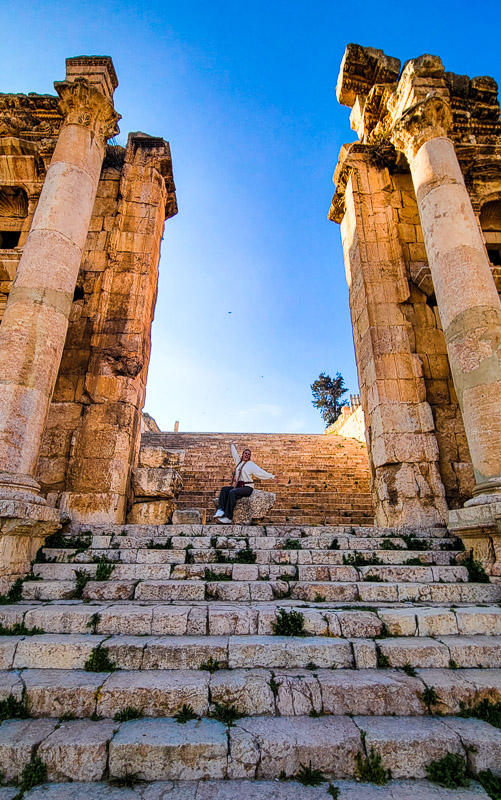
point(224, 520)
point(219, 513)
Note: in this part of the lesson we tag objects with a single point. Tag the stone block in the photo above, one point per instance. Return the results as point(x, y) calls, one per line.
point(257, 506)
point(157, 456)
point(418, 652)
point(233, 620)
point(248, 690)
point(18, 739)
point(157, 693)
point(179, 653)
point(55, 692)
point(407, 744)
point(288, 652)
point(151, 512)
point(370, 692)
point(77, 750)
point(46, 651)
point(298, 693)
point(435, 622)
point(472, 651)
point(10, 684)
point(189, 516)
point(156, 482)
point(164, 750)
point(266, 747)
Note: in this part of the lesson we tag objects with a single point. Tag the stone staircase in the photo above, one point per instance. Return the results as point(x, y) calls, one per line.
point(324, 480)
point(205, 662)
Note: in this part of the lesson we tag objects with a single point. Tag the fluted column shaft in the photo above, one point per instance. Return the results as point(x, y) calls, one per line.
point(35, 322)
point(467, 299)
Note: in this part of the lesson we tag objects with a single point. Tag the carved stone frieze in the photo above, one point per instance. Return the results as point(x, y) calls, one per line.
point(33, 116)
point(83, 104)
point(421, 122)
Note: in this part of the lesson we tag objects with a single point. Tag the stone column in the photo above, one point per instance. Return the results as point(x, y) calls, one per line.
point(35, 321)
point(467, 298)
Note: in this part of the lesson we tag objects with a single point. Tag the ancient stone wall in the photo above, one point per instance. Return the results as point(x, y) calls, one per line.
point(419, 454)
point(91, 437)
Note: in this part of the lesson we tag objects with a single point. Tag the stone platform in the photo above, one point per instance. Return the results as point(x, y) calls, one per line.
point(284, 644)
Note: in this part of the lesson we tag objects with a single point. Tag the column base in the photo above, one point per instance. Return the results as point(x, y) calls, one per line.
point(479, 528)
point(24, 526)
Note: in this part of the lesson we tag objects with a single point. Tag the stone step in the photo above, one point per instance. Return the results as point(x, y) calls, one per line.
point(251, 789)
point(253, 692)
point(267, 590)
point(256, 572)
point(217, 618)
point(253, 747)
point(277, 531)
point(72, 651)
point(210, 555)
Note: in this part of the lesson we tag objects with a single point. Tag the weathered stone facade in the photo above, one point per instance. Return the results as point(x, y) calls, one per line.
point(80, 229)
point(419, 202)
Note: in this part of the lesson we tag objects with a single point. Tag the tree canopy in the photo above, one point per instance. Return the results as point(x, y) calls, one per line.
point(327, 391)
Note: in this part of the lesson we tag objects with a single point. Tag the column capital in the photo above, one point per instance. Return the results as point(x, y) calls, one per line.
point(83, 104)
point(428, 119)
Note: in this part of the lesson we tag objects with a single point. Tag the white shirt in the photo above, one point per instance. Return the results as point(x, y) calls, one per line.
point(249, 469)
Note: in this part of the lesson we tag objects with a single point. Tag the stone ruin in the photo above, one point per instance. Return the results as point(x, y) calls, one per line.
point(81, 224)
point(418, 197)
point(209, 662)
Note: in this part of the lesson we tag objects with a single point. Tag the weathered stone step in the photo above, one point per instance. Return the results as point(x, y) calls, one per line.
point(252, 790)
point(217, 618)
point(210, 555)
point(253, 692)
point(254, 747)
point(276, 531)
point(267, 590)
point(72, 651)
point(256, 572)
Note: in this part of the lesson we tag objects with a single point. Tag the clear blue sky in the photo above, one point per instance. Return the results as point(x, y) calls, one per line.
point(245, 93)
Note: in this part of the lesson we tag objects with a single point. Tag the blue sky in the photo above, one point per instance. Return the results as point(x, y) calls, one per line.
point(252, 301)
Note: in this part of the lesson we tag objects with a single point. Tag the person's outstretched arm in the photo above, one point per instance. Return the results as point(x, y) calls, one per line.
point(234, 453)
point(260, 473)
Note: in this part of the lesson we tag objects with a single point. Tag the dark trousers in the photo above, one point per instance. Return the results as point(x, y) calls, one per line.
point(228, 498)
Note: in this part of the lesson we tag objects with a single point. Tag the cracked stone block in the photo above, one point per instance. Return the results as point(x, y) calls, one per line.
point(407, 744)
point(289, 652)
point(53, 649)
point(359, 624)
point(370, 692)
point(378, 592)
point(179, 653)
point(452, 686)
point(19, 739)
point(48, 590)
point(125, 619)
point(157, 693)
point(435, 622)
point(481, 741)
point(298, 693)
point(162, 749)
point(470, 651)
point(158, 790)
point(333, 592)
point(109, 590)
point(418, 652)
point(399, 621)
point(232, 620)
point(364, 653)
point(10, 685)
point(330, 743)
point(474, 621)
point(248, 690)
point(54, 692)
point(8, 645)
point(486, 683)
point(77, 750)
point(170, 620)
point(170, 590)
point(62, 618)
point(258, 790)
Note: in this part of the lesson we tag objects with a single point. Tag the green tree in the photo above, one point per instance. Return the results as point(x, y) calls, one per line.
point(327, 391)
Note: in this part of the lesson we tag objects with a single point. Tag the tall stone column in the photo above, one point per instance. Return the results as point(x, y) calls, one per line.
point(35, 321)
point(467, 298)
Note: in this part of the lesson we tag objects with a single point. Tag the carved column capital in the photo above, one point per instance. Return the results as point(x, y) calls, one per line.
point(83, 104)
point(428, 119)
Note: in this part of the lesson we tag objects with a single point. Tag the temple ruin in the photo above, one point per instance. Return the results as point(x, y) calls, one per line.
point(147, 652)
point(418, 198)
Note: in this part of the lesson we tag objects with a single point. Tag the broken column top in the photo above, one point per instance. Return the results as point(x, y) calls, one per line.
point(361, 68)
point(98, 70)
